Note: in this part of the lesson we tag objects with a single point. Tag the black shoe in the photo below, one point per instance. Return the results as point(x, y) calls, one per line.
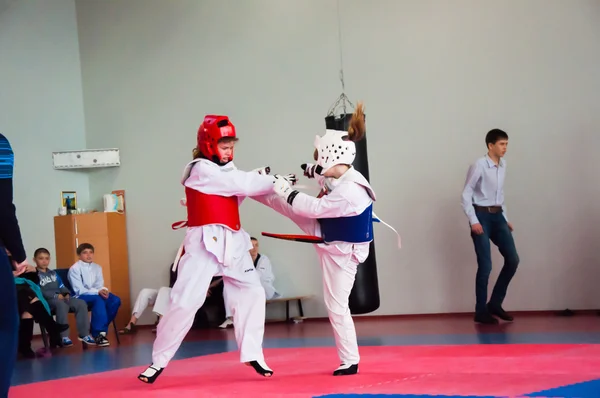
point(150, 375)
point(260, 369)
point(101, 340)
point(499, 312)
point(346, 370)
point(129, 329)
point(485, 318)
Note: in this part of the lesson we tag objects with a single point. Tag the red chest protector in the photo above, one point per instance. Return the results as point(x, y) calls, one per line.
point(204, 209)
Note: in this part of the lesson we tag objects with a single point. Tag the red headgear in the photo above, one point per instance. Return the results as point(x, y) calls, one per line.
point(212, 129)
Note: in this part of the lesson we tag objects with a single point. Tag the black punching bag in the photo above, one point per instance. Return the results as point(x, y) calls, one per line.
point(364, 297)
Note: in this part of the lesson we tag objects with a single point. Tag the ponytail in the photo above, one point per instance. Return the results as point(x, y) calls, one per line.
point(357, 127)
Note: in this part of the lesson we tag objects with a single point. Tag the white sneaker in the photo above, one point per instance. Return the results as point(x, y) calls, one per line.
point(228, 322)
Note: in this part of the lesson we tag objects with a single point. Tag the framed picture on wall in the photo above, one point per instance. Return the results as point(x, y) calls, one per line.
point(68, 199)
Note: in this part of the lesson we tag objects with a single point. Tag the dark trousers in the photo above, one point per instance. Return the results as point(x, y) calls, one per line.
point(495, 229)
point(9, 323)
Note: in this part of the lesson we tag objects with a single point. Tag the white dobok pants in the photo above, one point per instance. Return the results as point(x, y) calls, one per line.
point(228, 308)
point(158, 299)
point(339, 265)
point(245, 297)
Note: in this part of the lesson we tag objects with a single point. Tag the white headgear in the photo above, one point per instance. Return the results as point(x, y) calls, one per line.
point(332, 149)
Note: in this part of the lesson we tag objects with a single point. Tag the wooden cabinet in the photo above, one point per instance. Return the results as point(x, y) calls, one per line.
point(107, 232)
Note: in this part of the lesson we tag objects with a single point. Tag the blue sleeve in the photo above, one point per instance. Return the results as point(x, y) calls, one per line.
point(7, 159)
point(10, 233)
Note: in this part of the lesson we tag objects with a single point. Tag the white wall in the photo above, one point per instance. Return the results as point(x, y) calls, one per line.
point(41, 109)
point(435, 78)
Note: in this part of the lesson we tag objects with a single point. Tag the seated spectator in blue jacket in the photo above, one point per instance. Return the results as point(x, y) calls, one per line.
point(88, 284)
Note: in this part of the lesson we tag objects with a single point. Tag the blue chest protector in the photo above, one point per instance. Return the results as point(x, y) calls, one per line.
point(354, 229)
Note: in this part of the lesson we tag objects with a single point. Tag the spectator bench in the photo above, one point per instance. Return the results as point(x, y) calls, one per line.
point(287, 300)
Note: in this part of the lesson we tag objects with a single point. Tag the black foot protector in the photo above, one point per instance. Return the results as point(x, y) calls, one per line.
point(346, 370)
point(151, 374)
point(261, 368)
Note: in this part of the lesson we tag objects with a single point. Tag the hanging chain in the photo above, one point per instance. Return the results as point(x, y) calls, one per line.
point(342, 99)
point(341, 46)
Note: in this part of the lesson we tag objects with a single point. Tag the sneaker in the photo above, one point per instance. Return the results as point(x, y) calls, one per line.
point(101, 340)
point(87, 340)
point(66, 342)
point(228, 322)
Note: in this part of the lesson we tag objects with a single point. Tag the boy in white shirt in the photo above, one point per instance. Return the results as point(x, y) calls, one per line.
point(88, 284)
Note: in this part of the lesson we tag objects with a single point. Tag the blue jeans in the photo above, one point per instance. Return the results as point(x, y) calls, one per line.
point(9, 323)
point(495, 229)
point(103, 310)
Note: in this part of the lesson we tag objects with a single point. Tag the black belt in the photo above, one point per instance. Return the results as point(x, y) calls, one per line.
point(488, 209)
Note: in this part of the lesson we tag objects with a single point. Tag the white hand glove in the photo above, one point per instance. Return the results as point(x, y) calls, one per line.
point(311, 169)
point(290, 178)
point(263, 170)
point(282, 187)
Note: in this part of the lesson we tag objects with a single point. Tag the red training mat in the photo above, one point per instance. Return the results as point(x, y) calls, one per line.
point(496, 370)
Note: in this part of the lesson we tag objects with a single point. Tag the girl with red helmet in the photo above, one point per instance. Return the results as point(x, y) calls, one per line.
point(216, 244)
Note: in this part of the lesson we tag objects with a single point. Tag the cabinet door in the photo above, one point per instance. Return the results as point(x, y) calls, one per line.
point(64, 241)
point(90, 225)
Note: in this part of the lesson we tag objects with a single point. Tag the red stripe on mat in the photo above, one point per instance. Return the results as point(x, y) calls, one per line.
point(435, 370)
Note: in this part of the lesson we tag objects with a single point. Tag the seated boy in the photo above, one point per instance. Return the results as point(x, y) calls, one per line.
point(59, 300)
point(88, 284)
